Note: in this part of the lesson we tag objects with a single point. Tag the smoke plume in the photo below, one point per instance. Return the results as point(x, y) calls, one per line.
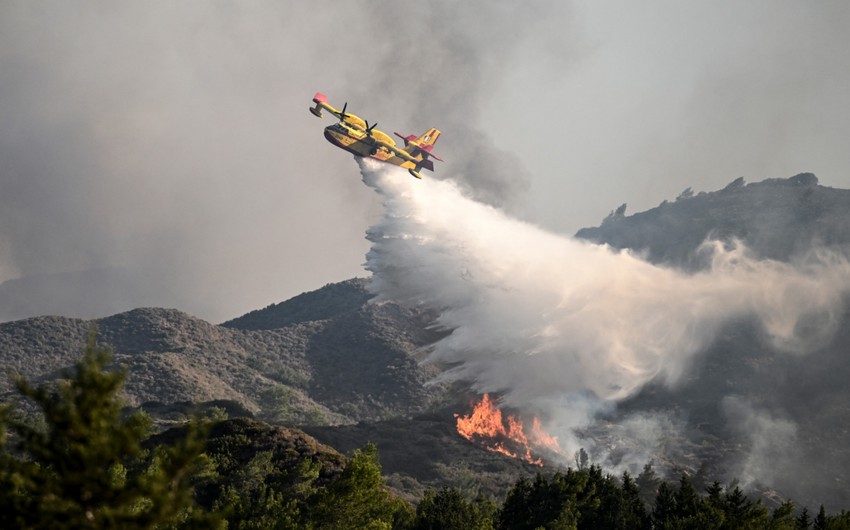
point(162, 154)
point(566, 328)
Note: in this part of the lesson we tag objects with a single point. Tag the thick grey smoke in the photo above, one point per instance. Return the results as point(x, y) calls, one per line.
point(772, 444)
point(169, 146)
point(437, 66)
point(162, 144)
point(567, 328)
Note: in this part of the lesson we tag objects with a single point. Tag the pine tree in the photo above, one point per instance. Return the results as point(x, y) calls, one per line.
point(359, 498)
point(636, 513)
point(556, 503)
point(687, 501)
point(648, 483)
point(516, 510)
point(820, 520)
point(804, 521)
point(740, 512)
point(449, 510)
point(715, 495)
point(783, 516)
point(85, 467)
point(664, 513)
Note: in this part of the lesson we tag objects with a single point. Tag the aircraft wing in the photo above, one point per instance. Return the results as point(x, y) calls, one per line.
point(321, 102)
point(396, 151)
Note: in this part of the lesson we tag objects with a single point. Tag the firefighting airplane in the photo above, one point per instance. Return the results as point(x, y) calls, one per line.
point(358, 137)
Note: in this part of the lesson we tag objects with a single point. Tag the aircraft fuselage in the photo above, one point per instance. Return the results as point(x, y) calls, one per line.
point(358, 142)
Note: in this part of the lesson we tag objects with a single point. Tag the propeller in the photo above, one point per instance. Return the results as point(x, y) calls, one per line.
point(369, 128)
point(342, 114)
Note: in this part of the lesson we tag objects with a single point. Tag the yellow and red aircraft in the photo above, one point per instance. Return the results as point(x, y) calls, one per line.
point(358, 137)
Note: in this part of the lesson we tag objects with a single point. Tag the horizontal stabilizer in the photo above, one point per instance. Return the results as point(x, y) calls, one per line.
point(427, 149)
point(407, 139)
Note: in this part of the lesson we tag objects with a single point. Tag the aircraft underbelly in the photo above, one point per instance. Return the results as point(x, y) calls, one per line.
point(361, 148)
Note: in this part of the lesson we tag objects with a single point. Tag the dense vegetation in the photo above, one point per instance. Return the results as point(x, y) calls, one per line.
point(85, 464)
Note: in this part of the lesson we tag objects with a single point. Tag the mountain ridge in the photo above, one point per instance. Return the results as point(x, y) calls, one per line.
point(280, 373)
point(779, 219)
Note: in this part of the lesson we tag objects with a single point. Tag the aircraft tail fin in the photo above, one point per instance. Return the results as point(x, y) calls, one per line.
point(429, 138)
point(423, 144)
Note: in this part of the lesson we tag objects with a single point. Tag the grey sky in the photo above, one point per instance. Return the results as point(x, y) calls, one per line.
point(174, 137)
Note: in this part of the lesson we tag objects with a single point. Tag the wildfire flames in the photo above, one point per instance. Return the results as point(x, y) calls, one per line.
point(506, 435)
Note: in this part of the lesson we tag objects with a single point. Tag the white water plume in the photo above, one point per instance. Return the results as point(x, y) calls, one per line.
point(542, 318)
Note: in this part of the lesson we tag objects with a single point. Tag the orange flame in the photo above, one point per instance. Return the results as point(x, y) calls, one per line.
point(504, 435)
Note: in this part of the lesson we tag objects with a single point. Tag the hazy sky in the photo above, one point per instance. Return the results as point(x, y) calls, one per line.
point(174, 137)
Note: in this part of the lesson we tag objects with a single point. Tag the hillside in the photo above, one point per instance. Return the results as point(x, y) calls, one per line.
point(774, 421)
point(344, 362)
point(776, 218)
point(426, 452)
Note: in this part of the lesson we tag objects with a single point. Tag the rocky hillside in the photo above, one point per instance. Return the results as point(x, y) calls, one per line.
point(427, 452)
point(326, 357)
point(773, 420)
point(776, 218)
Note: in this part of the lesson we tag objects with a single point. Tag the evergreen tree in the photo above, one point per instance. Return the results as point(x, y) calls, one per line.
point(254, 500)
point(687, 501)
point(839, 521)
point(636, 516)
point(516, 510)
point(648, 483)
point(556, 503)
point(359, 498)
point(589, 499)
point(449, 510)
point(85, 467)
point(783, 517)
point(715, 495)
point(664, 513)
point(820, 520)
point(741, 513)
point(804, 521)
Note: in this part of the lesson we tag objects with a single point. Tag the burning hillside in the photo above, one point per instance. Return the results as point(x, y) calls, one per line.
point(486, 426)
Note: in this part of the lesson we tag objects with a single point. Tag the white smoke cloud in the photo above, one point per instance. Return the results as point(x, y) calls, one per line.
point(631, 442)
point(546, 320)
point(771, 442)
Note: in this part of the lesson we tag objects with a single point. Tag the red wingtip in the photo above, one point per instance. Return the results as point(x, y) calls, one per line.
point(320, 98)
